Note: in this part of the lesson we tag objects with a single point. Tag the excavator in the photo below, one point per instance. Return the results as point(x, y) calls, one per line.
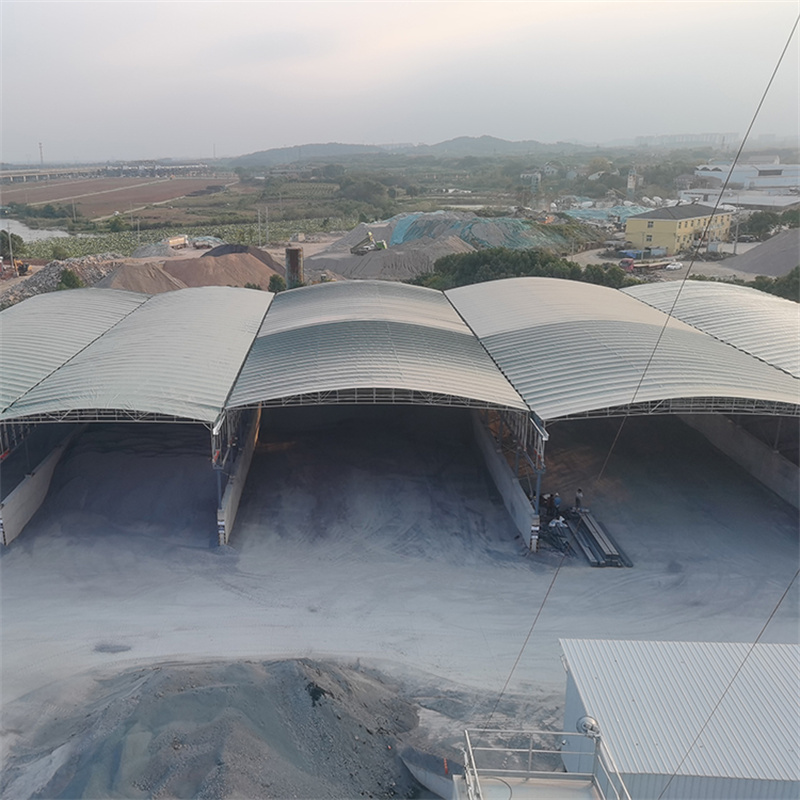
point(367, 245)
point(12, 270)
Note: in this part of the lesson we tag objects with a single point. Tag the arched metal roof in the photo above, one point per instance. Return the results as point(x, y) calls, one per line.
point(368, 341)
point(576, 349)
point(757, 323)
point(43, 333)
point(557, 348)
point(176, 355)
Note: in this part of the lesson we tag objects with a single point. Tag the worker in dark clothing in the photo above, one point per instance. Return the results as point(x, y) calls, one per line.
point(551, 509)
point(557, 504)
point(578, 500)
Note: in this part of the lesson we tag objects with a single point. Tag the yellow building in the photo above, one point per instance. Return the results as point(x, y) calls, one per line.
point(678, 228)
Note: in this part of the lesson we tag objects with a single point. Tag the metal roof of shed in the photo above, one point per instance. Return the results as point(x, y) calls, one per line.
point(318, 343)
point(41, 334)
point(757, 323)
point(575, 349)
point(651, 699)
point(177, 356)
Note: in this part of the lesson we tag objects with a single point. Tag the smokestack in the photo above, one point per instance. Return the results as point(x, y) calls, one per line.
point(294, 267)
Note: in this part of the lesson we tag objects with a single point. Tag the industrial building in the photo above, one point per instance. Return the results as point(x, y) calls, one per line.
point(655, 720)
point(673, 229)
point(522, 353)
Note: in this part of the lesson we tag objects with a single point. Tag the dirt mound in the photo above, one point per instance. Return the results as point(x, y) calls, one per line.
point(234, 269)
point(397, 263)
point(227, 249)
point(275, 729)
point(148, 278)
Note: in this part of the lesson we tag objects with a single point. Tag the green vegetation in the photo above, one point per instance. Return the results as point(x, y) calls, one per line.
point(15, 245)
point(762, 224)
point(125, 242)
point(496, 263)
point(276, 284)
point(69, 280)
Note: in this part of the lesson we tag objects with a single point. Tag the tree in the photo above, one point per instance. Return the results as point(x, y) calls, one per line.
point(276, 284)
point(17, 245)
point(117, 224)
point(791, 219)
point(69, 280)
point(58, 252)
point(761, 223)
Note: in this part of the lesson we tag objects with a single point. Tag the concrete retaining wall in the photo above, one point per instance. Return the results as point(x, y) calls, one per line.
point(759, 459)
point(514, 498)
point(18, 508)
point(226, 513)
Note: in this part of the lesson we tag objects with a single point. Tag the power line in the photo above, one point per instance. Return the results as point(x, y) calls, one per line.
point(525, 643)
point(730, 683)
point(682, 283)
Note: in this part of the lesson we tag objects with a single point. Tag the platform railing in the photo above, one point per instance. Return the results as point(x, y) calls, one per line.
point(531, 755)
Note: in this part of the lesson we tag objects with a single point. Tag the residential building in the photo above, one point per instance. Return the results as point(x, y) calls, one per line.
point(676, 228)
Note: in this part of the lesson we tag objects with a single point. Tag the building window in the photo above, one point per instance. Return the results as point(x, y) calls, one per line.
point(650, 223)
point(649, 239)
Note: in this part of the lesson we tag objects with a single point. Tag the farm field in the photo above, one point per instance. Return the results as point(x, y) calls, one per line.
point(100, 197)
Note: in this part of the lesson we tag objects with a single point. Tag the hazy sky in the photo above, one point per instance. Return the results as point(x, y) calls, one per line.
point(115, 79)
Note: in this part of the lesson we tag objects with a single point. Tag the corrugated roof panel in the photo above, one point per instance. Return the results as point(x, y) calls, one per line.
point(178, 355)
point(371, 354)
point(570, 368)
point(516, 303)
point(342, 301)
point(572, 348)
point(757, 323)
point(41, 334)
point(652, 699)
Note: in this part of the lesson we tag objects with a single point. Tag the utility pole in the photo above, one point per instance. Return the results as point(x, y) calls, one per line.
point(266, 226)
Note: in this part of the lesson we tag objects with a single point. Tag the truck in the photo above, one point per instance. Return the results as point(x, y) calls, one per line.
point(634, 266)
point(367, 245)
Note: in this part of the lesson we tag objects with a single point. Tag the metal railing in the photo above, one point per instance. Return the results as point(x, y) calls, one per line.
point(531, 755)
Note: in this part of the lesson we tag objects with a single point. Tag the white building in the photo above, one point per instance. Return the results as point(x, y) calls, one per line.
point(688, 719)
point(751, 175)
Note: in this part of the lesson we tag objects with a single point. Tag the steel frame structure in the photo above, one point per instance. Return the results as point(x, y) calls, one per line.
point(376, 396)
point(691, 405)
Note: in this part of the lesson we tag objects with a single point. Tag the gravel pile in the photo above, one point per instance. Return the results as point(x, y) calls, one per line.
point(268, 730)
point(397, 263)
point(89, 269)
point(415, 241)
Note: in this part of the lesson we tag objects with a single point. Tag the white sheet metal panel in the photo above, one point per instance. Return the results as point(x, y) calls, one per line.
point(177, 355)
point(358, 301)
point(39, 335)
point(758, 323)
point(370, 334)
point(571, 348)
point(651, 699)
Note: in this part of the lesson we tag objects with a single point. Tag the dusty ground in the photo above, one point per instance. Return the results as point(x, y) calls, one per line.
point(373, 544)
point(711, 269)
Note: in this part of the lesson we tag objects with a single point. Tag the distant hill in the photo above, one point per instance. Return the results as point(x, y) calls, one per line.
point(304, 152)
point(460, 147)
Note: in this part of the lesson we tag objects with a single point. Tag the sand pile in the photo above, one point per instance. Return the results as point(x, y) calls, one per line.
point(261, 255)
point(275, 729)
point(148, 278)
point(233, 269)
point(397, 263)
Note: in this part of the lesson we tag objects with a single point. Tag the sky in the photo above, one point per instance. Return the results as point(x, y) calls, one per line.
point(115, 79)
